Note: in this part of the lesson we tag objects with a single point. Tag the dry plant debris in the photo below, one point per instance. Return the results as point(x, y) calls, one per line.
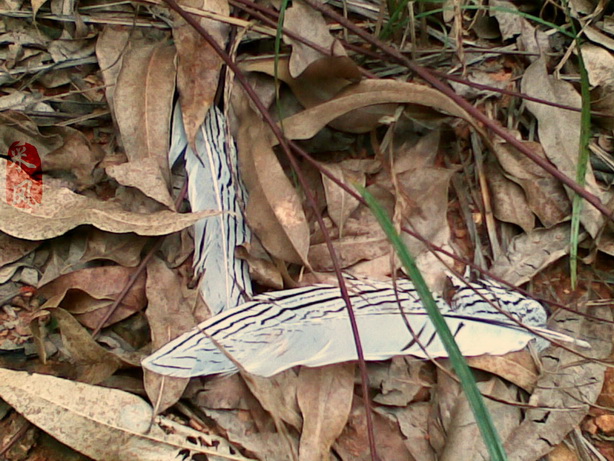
point(89, 218)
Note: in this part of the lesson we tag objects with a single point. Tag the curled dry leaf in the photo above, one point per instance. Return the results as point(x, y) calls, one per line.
point(120, 429)
point(274, 210)
point(325, 398)
point(62, 210)
point(306, 124)
point(90, 292)
point(169, 315)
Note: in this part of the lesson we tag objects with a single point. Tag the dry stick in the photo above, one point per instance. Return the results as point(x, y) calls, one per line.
point(282, 141)
point(139, 270)
point(463, 103)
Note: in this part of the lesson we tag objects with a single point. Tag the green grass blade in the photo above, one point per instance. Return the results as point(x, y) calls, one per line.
point(467, 380)
point(583, 159)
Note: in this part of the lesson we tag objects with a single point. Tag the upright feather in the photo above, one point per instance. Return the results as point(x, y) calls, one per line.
point(213, 184)
point(310, 326)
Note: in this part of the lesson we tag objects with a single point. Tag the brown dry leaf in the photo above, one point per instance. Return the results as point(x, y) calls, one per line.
point(169, 315)
point(90, 292)
point(277, 395)
point(413, 422)
point(143, 106)
point(545, 195)
point(274, 210)
point(422, 204)
point(599, 64)
point(264, 442)
point(567, 387)
point(325, 398)
point(198, 65)
point(352, 443)
point(529, 253)
point(123, 249)
point(110, 49)
point(261, 271)
point(318, 83)
point(340, 204)
point(12, 249)
point(509, 201)
point(464, 440)
point(121, 428)
point(309, 24)
point(349, 250)
point(559, 131)
point(62, 210)
point(518, 367)
point(404, 380)
point(94, 363)
point(512, 23)
point(306, 124)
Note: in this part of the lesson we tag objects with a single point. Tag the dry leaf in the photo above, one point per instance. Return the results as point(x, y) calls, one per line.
point(566, 388)
point(309, 24)
point(169, 315)
point(529, 253)
point(120, 429)
point(325, 398)
point(509, 202)
point(464, 440)
point(12, 249)
point(545, 195)
point(143, 106)
point(90, 292)
point(62, 210)
point(518, 367)
point(94, 362)
point(306, 124)
point(198, 65)
point(559, 131)
point(352, 444)
point(274, 210)
point(340, 204)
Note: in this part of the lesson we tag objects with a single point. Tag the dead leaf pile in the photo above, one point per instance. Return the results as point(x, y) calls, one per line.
point(95, 247)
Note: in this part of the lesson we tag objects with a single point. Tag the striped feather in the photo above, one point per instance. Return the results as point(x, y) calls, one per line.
point(213, 185)
point(309, 326)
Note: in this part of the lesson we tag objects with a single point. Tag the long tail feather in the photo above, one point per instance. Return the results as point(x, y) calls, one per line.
point(309, 326)
point(213, 184)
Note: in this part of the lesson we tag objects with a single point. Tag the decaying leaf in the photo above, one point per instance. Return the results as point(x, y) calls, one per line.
point(274, 210)
point(62, 210)
point(89, 292)
point(559, 131)
point(198, 65)
point(325, 397)
point(121, 428)
point(567, 387)
point(94, 363)
point(310, 25)
point(169, 314)
point(527, 254)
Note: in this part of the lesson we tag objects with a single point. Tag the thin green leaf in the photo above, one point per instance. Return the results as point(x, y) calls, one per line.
point(467, 380)
point(583, 159)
